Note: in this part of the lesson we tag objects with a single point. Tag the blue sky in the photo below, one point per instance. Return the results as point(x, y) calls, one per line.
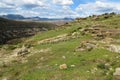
point(58, 8)
point(78, 2)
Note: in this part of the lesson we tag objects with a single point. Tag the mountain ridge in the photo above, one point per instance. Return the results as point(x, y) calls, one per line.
point(37, 18)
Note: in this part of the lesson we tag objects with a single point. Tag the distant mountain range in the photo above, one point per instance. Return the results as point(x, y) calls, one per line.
point(20, 17)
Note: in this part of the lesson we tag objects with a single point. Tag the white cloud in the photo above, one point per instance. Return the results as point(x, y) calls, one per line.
point(63, 2)
point(22, 2)
point(42, 8)
point(3, 5)
point(98, 7)
point(56, 8)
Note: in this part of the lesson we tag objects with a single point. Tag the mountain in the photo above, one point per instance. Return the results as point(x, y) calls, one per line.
point(13, 17)
point(37, 18)
point(68, 19)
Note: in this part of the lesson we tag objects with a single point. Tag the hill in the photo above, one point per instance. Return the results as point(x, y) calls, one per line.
point(10, 29)
point(37, 18)
point(85, 49)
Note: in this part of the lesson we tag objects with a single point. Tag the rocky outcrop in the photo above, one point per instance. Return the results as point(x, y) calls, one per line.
point(13, 33)
point(22, 51)
point(86, 46)
point(101, 33)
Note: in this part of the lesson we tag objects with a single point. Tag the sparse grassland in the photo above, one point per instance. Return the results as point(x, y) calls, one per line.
point(86, 52)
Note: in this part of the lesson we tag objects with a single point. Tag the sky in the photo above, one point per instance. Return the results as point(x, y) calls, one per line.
point(58, 8)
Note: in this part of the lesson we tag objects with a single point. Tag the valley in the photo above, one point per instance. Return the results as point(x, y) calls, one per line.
point(10, 29)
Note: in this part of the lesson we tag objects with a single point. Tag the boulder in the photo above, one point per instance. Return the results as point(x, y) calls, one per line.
point(63, 66)
point(114, 48)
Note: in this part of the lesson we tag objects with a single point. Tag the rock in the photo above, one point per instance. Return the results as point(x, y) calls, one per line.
point(63, 66)
point(86, 46)
point(94, 70)
point(63, 57)
point(114, 48)
point(107, 65)
point(22, 51)
point(116, 74)
point(72, 66)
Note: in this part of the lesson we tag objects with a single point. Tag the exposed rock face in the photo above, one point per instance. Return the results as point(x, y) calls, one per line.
point(13, 33)
point(101, 33)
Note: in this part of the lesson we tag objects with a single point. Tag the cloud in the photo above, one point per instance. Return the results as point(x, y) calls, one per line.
point(57, 8)
point(24, 3)
point(21, 2)
point(63, 2)
point(42, 8)
point(4, 5)
point(98, 7)
point(65, 11)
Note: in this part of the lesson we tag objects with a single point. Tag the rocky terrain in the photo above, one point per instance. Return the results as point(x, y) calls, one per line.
point(84, 49)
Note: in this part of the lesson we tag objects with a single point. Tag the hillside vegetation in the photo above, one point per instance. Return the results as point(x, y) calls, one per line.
point(85, 49)
point(10, 29)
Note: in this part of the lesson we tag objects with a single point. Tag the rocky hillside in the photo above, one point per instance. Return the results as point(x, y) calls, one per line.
point(85, 49)
point(10, 29)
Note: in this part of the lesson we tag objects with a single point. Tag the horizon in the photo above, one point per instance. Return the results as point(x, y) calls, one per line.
point(32, 16)
point(59, 8)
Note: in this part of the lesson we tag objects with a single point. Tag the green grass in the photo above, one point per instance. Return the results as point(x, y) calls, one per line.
point(48, 68)
point(54, 33)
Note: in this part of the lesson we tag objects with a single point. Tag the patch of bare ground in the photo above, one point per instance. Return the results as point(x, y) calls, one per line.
point(19, 55)
point(59, 38)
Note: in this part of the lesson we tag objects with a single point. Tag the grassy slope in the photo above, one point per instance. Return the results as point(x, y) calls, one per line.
point(85, 62)
point(10, 29)
point(5, 23)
